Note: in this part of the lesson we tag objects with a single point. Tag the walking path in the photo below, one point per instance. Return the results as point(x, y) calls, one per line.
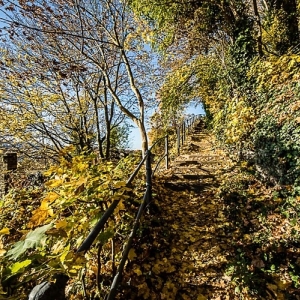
point(185, 248)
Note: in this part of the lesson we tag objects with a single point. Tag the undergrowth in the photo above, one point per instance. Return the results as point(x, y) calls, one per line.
point(42, 227)
point(266, 236)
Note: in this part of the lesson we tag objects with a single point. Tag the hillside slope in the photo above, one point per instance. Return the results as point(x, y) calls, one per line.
point(214, 232)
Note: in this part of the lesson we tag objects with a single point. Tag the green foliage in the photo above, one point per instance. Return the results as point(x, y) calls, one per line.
point(227, 62)
point(120, 137)
point(43, 237)
point(196, 23)
point(275, 136)
point(178, 89)
point(265, 223)
point(33, 240)
point(259, 115)
point(281, 32)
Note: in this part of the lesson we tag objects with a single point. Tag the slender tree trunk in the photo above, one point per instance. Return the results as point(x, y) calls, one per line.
point(108, 145)
point(107, 122)
point(99, 140)
point(144, 137)
point(290, 7)
point(259, 36)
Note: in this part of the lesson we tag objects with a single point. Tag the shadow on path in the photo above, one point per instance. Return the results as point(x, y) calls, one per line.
point(195, 242)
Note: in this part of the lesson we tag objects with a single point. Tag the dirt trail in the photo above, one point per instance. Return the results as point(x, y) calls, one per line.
point(184, 246)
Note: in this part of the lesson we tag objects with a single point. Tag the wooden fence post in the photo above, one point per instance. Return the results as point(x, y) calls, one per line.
point(167, 152)
point(11, 164)
point(178, 140)
point(149, 175)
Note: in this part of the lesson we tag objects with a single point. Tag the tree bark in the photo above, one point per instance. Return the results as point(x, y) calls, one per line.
point(259, 36)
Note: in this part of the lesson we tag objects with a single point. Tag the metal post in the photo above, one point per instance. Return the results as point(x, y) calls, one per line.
point(167, 152)
point(11, 161)
point(182, 134)
point(149, 175)
point(178, 140)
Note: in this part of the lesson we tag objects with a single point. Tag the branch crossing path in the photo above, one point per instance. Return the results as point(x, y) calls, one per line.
point(183, 248)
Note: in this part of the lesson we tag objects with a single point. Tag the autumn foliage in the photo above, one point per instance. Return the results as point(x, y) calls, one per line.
point(42, 228)
point(76, 73)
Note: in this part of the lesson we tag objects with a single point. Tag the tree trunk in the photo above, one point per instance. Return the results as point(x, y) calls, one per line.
point(290, 7)
point(144, 137)
point(99, 140)
point(259, 36)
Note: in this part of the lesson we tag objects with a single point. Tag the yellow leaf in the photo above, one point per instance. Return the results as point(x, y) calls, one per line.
point(39, 216)
point(144, 290)
point(65, 253)
point(54, 183)
point(82, 166)
point(137, 271)
point(50, 212)
point(81, 180)
point(132, 255)
point(192, 239)
point(120, 184)
point(4, 230)
point(57, 247)
point(170, 269)
point(51, 196)
point(120, 207)
point(44, 205)
point(283, 284)
point(156, 268)
point(2, 252)
point(19, 265)
point(272, 287)
point(201, 297)
point(61, 224)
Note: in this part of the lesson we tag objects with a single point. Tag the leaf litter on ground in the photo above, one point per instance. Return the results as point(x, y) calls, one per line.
point(219, 234)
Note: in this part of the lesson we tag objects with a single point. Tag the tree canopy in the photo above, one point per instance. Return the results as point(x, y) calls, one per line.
point(74, 72)
point(222, 53)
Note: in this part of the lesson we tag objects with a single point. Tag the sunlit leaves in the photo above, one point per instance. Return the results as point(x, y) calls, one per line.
point(59, 218)
point(64, 95)
point(41, 214)
point(132, 255)
point(4, 231)
point(18, 266)
point(179, 88)
point(240, 118)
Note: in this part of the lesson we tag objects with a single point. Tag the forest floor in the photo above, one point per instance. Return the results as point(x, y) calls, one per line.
point(214, 232)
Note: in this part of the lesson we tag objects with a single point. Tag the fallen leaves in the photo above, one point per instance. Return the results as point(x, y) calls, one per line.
point(4, 231)
point(208, 238)
point(214, 237)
